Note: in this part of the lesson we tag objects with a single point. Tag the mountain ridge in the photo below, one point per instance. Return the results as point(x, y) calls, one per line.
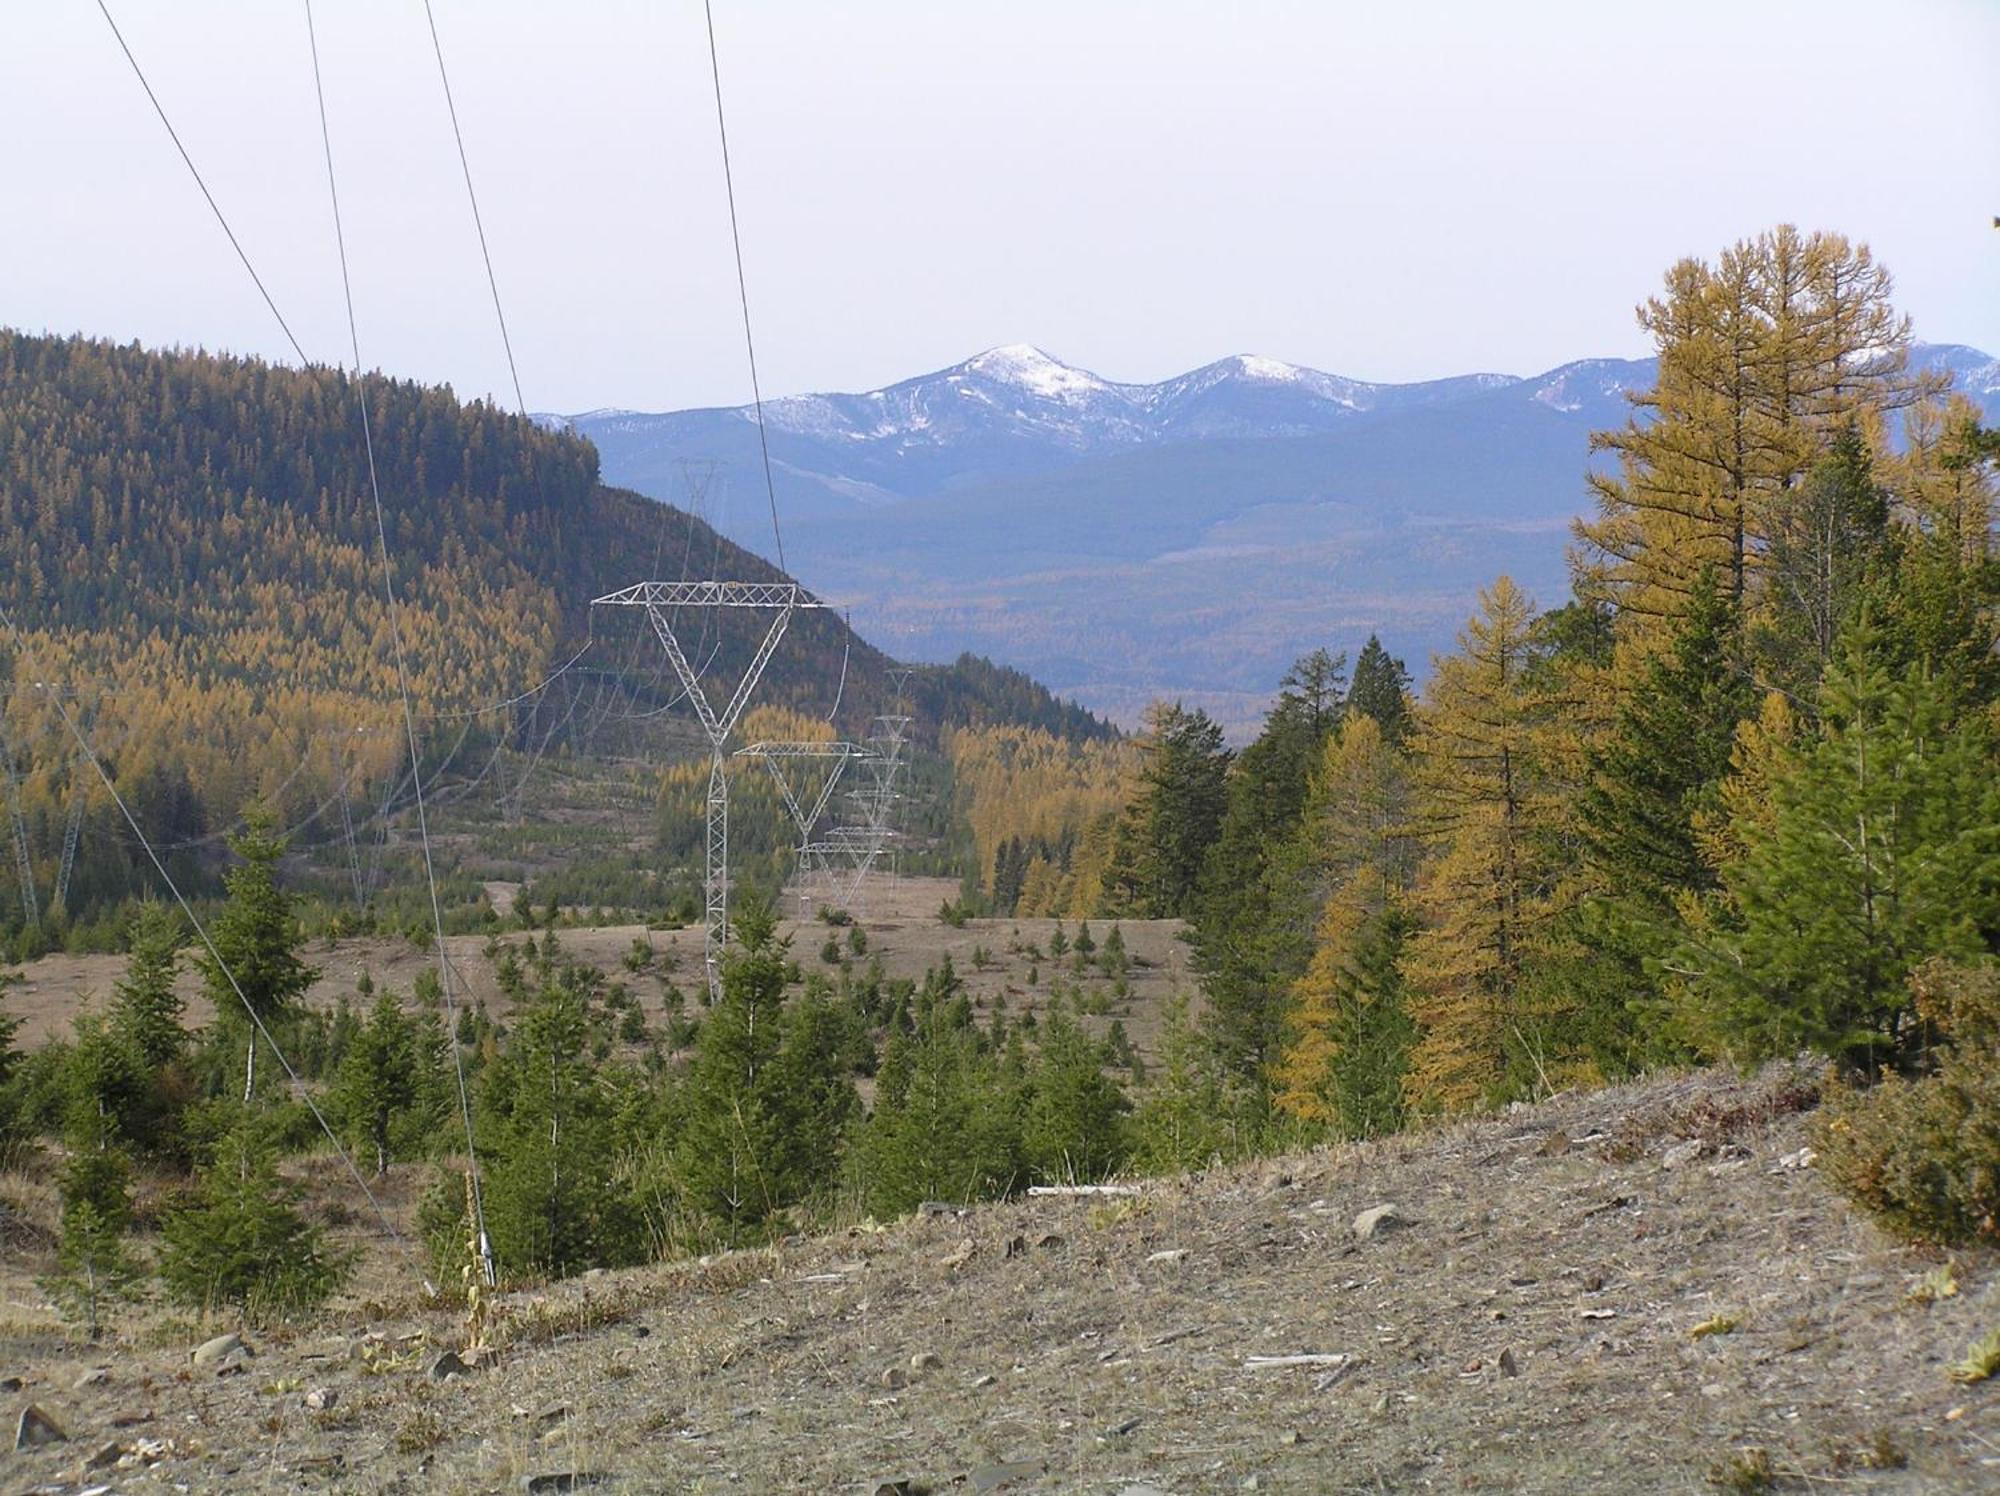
point(1187, 537)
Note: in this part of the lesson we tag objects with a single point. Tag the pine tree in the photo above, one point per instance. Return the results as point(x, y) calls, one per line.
point(94, 1265)
point(1381, 690)
point(1074, 1125)
point(1182, 1120)
point(106, 1090)
point(1170, 826)
point(1347, 1030)
point(378, 1078)
point(1881, 850)
point(946, 1124)
point(255, 961)
point(554, 1201)
point(145, 1007)
point(240, 1240)
point(1829, 545)
point(1661, 769)
point(1487, 892)
point(766, 1101)
point(1252, 933)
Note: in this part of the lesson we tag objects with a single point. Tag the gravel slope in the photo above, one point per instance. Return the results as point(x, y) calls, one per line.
point(1526, 1326)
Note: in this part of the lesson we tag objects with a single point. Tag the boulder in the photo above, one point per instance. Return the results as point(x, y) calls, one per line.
point(215, 1352)
point(1378, 1220)
point(37, 1428)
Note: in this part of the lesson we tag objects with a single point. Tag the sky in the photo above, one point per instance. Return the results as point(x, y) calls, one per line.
point(1389, 192)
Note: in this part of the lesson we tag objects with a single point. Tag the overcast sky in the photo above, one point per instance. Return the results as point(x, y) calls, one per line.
point(1390, 191)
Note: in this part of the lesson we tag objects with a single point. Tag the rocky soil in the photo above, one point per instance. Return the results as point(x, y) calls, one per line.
point(1642, 1289)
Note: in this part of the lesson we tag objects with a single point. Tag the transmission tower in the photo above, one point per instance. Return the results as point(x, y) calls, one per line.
point(850, 852)
point(24, 866)
point(661, 600)
point(812, 880)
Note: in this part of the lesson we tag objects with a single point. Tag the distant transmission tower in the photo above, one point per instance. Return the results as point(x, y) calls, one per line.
point(660, 600)
point(850, 853)
point(813, 882)
point(24, 866)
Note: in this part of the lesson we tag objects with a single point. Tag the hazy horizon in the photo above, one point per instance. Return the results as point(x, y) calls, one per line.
point(1137, 189)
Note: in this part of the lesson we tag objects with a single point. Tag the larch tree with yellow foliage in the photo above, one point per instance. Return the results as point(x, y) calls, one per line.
point(1348, 1029)
point(1490, 817)
point(1762, 356)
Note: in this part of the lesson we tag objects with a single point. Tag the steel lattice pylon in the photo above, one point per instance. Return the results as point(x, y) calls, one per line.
point(812, 875)
point(661, 600)
point(847, 854)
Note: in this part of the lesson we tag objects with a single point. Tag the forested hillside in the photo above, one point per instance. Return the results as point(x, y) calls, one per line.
point(189, 547)
point(1733, 799)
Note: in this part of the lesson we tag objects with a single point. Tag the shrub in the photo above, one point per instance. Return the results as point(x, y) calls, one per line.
point(1922, 1154)
point(241, 1240)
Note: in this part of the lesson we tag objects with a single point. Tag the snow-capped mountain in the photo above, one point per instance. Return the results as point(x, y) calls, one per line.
point(1189, 537)
point(1009, 410)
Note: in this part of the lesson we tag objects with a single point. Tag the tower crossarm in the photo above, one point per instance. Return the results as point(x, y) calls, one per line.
point(709, 595)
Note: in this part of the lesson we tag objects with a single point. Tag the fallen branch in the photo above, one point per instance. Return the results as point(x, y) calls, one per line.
point(1266, 1363)
point(1083, 1189)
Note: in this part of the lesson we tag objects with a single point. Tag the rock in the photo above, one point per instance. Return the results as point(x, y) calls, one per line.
point(894, 1485)
point(1799, 1160)
point(449, 1365)
point(981, 1382)
point(1377, 1221)
point(36, 1428)
point(938, 1208)
point(235, 1366)
point(993, 1477)
point(1509, 1367)
point(1291, 1436)
point(107, 1454)
point(958, 1257)
point(321, 1398)
point(895, 1378)
point(1682, 1154)
point(1172, 1254)
point(214, 1352)
point(97, 1376)
point(927, 1361)
point(11, 1384)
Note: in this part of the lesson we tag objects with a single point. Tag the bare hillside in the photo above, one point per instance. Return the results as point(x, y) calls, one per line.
point(1644, 1289)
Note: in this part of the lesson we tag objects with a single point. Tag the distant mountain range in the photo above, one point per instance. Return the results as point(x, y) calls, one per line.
point(1187, 538)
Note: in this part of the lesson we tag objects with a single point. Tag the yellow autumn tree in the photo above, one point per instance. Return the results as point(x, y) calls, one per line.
point(1762, 355)
point(1347, 1032)
point(1490, 819)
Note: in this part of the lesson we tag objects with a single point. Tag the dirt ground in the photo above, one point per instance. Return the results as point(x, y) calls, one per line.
point(900, 917)
point(1531, 1325)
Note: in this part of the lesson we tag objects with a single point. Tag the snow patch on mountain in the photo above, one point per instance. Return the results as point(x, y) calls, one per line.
point(1030, 369)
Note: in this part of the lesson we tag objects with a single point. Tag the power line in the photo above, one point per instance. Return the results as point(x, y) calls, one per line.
point(201, 931)
point(402, 666)
point(742, 284)
point(465, 166)
point(213, 206)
